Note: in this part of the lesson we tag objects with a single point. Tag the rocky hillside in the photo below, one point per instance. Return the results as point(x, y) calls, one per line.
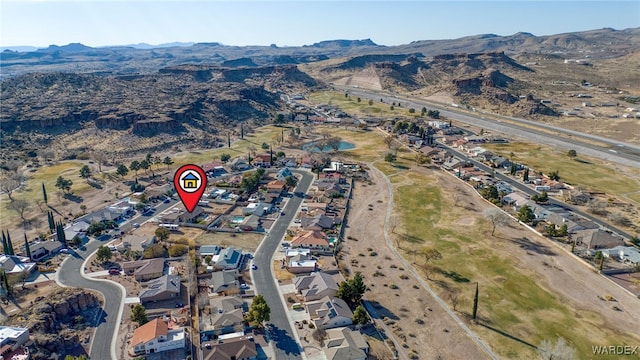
point(59, 322)
point(203, 96)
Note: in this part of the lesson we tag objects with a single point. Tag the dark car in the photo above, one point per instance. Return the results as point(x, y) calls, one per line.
point(114, 271)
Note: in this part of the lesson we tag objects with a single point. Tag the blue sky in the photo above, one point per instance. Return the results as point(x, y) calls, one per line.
point(99, 23)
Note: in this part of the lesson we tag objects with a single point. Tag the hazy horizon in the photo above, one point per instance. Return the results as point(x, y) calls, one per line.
point(40, 23)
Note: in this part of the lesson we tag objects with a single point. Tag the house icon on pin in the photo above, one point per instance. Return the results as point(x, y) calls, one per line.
point(190, 181)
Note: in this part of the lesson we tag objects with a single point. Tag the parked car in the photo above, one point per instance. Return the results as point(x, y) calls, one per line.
point(254, 267)
point(114, 271)
point(136, 225)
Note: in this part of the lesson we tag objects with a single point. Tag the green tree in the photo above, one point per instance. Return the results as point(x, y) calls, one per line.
point(103, 254)
point(155, 251)
point(279, 118)
point(391, 108)
point(572, 154)
point(85, 172)
point(554, 175)
point(4, 282)
point(167, 161)
point(490, 193)
point(64, 184)
point(139, 314)
point(423, 111)
point(290, 181)
point(389, 157)
point(178, 250)
point(44, 193)
point(157, 161)
point(352, 290)
point(525, 175)
point(360, 316)
point(412, 110)
point(145, 165)
point(162, 233)
point(225, 157)
point(370, 102)
point(635, 240)
point(135, 166)
point(259, 312)
point(122, 170)
point(525, 214)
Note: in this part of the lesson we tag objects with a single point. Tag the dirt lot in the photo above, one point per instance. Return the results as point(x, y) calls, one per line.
point(402, 300)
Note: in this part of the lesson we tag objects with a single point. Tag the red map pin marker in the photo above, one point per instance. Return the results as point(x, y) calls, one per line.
point(190, 182)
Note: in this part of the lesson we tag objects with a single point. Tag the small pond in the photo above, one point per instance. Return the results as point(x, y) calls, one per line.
point(342, 145)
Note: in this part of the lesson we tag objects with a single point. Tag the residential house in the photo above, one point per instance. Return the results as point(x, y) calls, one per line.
point(316, 286)
point(515, 199)
point(136, 242)
point(275, 187)
point(238, 348)
point(78, 229)
point(224, 281)
point(209, 250)
point(311, 239)
point(452, 163)
point(159, 192)
point(331, 178)
point(124, 208)
point(163, 288)
point(596, 239)
point(156, 336)
point(574, 222)
point(262, 160)
point(301, 264)
point(258, 209)
point(44, 249)
point(284, 172)
point(16, 267)
point(227, 316)
point(144, 270)
point(314, 207)
point(11, 339)
point(626, 254)
point(329, 312)
point(429, 151)
point(103, 215)
point(251, 223)
point(319, 222)
point(179, 215)
point(239, 164)
point(228, 259)
point(308, 162)
point(500, 162)
point(213, 168)
point(345, 344)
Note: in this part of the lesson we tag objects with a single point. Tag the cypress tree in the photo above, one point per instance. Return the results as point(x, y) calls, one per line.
point(228, 140)
point(475, 303)
point(52, 225)
point(26, 246)
point(5, 283)
point(241, 131)
point(9, 245)
point(44, 193)
point(270, 155)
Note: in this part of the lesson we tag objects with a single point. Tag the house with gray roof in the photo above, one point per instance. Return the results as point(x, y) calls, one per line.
point(284, 172)
point(625, 254)
point(17, 266)
point(596, 239)
point(316, 286)
point(210, 250)
point(319, 222)
point(227, 316)
point(146, 269)
point(237, 348)
point(78, 229)
point(223, 281)
point(345, 344)
point(163, 288)
point(44, 249)
point(329, 312)
point(574, 223)
point(229, 258)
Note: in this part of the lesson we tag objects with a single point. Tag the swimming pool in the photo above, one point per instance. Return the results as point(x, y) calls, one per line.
point(236, 219)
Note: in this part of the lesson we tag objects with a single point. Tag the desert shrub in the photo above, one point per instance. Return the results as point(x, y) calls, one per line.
point(404, 277)
point(178, 250)
point(393, 286)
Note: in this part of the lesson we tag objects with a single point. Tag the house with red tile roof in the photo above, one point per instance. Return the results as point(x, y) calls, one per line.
point(156, 336)
point(311, 239)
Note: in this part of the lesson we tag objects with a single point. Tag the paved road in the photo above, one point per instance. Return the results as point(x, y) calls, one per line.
point(69, 274)
point(617, 151)
point(528, 190)
point(279, 328)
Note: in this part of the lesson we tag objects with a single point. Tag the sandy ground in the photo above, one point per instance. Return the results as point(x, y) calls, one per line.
point(414, 320)
point(576, 283)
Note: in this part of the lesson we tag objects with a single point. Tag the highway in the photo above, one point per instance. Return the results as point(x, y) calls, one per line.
point(614, 151)
point(278, 328)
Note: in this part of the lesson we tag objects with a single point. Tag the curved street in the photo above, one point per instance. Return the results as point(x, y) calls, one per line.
point(278, 328)
point(71, 273)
